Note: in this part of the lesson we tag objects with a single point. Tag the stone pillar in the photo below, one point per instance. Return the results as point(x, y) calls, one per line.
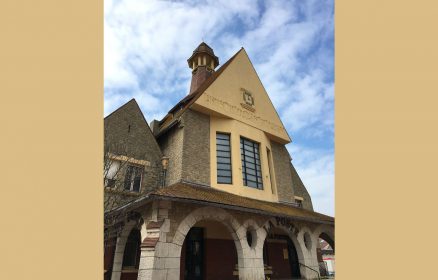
point(309, 253)
point(160, 259)
point(251, 265)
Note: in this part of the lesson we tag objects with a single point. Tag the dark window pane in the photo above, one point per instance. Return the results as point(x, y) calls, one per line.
point(251, 177)
point(136, 184)
point(222, 148)
point(223, 154)
point(251, 170)
point(223, 142)
point(223, 180)
point(223, 166)
point(223, 160)
point(222, 136)
point(224, 173)
point(252, 184)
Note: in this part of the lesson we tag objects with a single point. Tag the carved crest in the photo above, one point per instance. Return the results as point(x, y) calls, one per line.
point(248, 100)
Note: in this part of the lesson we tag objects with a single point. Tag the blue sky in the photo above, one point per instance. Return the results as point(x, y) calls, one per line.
point(291, 44)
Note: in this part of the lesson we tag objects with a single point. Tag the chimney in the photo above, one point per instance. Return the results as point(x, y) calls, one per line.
point(155, 127)
point(202, 62)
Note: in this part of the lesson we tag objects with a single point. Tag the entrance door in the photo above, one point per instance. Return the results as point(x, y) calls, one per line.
point(293, 259)
point(194, 254)
point(281, 258)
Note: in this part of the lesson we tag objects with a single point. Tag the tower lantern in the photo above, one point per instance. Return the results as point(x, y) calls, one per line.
point(202, 62)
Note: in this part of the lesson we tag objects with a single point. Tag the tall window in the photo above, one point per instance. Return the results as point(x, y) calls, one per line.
point(251, 168)
point(133, 178)
point(223, 157)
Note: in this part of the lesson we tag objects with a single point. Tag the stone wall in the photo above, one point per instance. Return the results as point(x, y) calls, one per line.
point(171, 144)
point(187, 145)
point(166, 225)
point(126, 133)
point(281, 159)
point(196, 148)
point(166, 228)
point(300, 189)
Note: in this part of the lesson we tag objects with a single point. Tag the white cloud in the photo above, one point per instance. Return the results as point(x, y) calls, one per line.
point(316, 169)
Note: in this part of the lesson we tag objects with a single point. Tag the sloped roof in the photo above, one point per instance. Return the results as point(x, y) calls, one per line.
point(206, 194)
point(188, 100)
point(204, 48)
point(190, 193)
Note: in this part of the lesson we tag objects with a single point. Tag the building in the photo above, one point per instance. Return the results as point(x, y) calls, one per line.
point(208, 192)
point(326, 258)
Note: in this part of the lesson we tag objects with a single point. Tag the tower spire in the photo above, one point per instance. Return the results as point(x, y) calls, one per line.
point(202, 62)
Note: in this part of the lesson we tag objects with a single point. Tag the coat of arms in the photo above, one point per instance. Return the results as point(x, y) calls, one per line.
point(248, 100)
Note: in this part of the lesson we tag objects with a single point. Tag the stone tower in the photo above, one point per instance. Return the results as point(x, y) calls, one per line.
point(202, 62)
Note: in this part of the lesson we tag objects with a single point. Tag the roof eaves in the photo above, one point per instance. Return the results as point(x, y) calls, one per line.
point(238, 208)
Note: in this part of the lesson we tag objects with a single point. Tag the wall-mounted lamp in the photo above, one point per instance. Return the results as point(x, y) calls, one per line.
point(164, 164)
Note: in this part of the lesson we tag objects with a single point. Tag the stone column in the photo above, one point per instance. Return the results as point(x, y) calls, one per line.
point(160, 259)
point(251, 266)
point(309, 254)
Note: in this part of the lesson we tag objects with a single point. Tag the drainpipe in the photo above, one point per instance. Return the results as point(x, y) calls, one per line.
point(164, 164)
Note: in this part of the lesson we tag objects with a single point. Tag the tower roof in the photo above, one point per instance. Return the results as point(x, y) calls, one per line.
point(204, 48)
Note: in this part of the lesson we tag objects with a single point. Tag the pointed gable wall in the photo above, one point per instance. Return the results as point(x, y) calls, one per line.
point(225, 96)
point(127, 133)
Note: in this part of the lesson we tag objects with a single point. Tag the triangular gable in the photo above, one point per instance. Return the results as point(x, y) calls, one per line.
point(238, 93)
point(187, 101)
point(128, 126)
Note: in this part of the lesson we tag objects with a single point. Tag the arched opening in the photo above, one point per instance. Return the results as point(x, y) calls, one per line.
point(209, 253)
point(131, 256)
point(280, 256)
point(326, 255)
point(109, 250)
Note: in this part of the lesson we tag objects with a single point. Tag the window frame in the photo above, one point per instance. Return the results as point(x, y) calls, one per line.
point(132, 180)
point(257, 168)
point(230, 159)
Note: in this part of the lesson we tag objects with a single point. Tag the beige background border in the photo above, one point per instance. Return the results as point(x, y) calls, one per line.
point(386, 139)
point(51, 84)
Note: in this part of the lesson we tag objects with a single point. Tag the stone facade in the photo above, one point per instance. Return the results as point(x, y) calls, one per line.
point(300, 189)
point(167, 223)
point(127, 134)
point(187, 145)
point(283, 175)
point(171, 144)
point(196, 148)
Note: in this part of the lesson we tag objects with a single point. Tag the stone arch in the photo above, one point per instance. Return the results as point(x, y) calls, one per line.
point(304, 256)
point(328, 234)
point(237, 231)
point(120, 249)
point(214, 214)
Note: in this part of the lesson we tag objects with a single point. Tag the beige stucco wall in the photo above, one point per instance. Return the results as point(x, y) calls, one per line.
point(224, 96)
point(237, 129)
